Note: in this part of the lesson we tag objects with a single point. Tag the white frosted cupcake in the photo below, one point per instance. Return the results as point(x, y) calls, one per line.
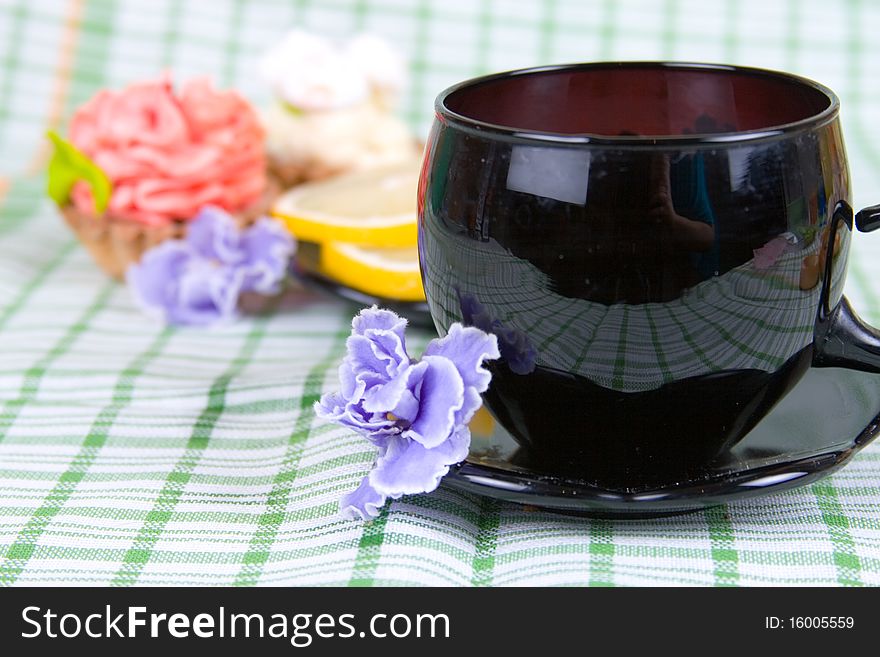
point(332, 107)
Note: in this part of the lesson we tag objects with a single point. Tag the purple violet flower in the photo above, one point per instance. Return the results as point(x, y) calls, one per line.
point(197, 280)
point(415, 412)
point(515, 347)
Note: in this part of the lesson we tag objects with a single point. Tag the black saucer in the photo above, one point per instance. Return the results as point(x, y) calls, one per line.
point(416, 312)
point(829, 415)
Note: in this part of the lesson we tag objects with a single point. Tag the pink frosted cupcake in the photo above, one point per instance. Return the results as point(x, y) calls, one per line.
point(166, 154)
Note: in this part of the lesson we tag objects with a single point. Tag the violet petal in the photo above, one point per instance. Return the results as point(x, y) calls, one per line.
point(440, 393)
point(267, 248)
point(207, 294)
point(362, 503)
point(214, 235)
point(155, 279)
point(408, 467)
point(387, 397)
point(467, 347)
point(378, 318)
point(380, 353)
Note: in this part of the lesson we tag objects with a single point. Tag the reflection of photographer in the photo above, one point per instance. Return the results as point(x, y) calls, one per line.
point(652, 216)
point(694, 235)
point(679, 204)
point(623, 228)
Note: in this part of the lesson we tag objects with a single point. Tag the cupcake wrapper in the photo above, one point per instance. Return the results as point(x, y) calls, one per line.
point(116, 243)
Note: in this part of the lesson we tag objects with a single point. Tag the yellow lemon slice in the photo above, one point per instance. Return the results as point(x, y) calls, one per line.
point(482, 424)
point(391, 273)
point(373, 208)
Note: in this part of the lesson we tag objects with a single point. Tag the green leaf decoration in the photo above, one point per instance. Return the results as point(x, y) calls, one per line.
point(70, 165)
point(292, 109)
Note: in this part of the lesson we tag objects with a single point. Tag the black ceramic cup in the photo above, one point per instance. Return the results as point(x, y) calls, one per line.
point(660, 248)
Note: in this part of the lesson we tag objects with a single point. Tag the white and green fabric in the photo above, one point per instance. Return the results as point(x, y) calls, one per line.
point(132, 454)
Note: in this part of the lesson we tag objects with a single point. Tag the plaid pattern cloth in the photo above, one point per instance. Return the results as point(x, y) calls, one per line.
point(132, 454)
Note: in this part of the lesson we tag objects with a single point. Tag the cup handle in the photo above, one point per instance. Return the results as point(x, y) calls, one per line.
point(842, 338)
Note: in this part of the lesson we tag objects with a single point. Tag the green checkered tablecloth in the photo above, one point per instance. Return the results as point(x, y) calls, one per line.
point(133, 454)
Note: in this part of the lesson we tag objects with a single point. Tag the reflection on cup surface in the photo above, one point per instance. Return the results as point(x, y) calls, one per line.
point(662, 258)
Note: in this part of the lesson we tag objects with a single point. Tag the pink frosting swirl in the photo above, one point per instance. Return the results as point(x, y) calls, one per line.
point(169, 154)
